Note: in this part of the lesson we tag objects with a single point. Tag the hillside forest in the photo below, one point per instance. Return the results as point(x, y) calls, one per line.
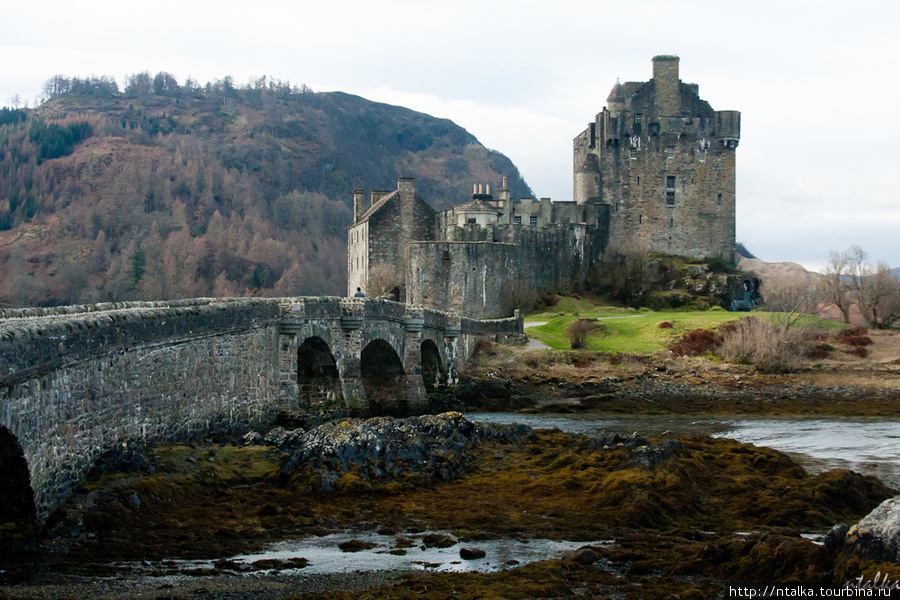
point(171, 190)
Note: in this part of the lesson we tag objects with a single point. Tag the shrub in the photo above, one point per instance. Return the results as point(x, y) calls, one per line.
point(718, 264)
point(578, 332)
point(859, 351)
point(851, 332)
point(771, 349)
point(694, 343)
point(484, 348)
point(819, 351)
point(858, 340)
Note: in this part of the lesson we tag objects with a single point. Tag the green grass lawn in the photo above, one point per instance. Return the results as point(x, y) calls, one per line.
point(633, 331)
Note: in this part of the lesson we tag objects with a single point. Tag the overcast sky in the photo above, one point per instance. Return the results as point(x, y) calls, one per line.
point(815, 81)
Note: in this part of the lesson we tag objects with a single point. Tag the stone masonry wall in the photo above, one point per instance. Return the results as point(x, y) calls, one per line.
point(469, 277)
point(73, 387)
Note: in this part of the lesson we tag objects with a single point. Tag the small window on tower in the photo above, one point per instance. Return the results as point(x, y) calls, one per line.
point(670, 198)
point(517, 220)
point(634, 154)
point(471, 221)
point(719, 201)
point(670, 190)
point(533, 221)
point(670, 152)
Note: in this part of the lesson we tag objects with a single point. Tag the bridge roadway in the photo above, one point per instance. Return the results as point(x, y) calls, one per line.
point(78, 381)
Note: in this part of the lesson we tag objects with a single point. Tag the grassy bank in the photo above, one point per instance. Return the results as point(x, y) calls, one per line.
point(632, 331)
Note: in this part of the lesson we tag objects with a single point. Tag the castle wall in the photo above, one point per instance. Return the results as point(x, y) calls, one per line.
point(357, 257)
point(472, 277)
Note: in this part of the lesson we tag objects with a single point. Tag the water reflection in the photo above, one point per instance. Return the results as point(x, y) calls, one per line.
point(868, 445)
point(388, 553)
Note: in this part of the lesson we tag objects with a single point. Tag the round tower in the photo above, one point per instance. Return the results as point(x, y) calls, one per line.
point(616, 99)
point(587, 180)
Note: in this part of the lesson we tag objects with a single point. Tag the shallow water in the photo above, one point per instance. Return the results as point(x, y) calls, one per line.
point(868, 445)
point(325, 556)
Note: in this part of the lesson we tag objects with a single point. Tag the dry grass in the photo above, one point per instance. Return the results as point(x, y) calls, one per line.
point(771, 349)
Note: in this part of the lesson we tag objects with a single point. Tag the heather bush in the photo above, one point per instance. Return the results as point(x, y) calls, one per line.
point(695, 343)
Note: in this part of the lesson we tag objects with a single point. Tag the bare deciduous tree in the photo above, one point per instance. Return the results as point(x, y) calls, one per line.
point(382, 279)
point(789, 298)
point(851, 279)
point(835, 286)
point(623, 271)
point(516, 294)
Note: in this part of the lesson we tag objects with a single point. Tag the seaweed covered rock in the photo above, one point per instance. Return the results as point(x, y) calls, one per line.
point(877, 535)
point(353, 454)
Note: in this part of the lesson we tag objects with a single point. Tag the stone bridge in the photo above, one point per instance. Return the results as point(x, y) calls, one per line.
point(78, 381)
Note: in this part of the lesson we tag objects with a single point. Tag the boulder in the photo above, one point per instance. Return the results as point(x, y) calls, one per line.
point(471, 553)
point(877, 535)
point(438, 540)
point(583, 556)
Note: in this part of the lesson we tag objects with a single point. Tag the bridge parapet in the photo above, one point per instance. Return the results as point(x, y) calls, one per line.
point(40, 343)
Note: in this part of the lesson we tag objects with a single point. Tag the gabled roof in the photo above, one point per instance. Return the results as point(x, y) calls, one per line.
point(475, 206)
point(377, 206)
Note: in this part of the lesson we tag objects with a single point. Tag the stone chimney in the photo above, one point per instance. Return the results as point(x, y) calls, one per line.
point(665, 84)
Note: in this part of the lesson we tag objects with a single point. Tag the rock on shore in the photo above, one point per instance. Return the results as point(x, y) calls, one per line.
point(361, 452)
point(877, 535)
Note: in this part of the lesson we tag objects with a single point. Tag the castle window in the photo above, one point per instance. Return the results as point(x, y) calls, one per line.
point(670, 190)
point(637, 119)
point(639, 180)
point(517, 220)
point(670, 152)
point(470, 221)
point(670, 198)
point(634, 153)
point(671, 223)
point(640, 219)
point(533, 221)
point(719, 201)
point(446, 255)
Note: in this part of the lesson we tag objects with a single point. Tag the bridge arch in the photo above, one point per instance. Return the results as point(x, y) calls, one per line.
point(318, 379)
point(434, 374)
point(383, 379)
point(16, 496)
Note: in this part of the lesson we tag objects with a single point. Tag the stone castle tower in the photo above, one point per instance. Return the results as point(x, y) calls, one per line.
point(663, 161)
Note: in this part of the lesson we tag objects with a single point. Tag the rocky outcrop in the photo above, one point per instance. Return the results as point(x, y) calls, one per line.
point(355, 453)
point(877, 535)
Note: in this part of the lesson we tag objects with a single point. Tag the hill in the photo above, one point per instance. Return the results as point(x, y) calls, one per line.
point(166, 191)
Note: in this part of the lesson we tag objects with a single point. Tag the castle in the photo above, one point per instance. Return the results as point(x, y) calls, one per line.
point(656, 166)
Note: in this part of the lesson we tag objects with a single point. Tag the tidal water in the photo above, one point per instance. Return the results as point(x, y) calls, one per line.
point(868, 445)
point(325, 556)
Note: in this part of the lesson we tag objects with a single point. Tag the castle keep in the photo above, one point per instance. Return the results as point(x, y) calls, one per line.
point(656, 166)
point(662, 160)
